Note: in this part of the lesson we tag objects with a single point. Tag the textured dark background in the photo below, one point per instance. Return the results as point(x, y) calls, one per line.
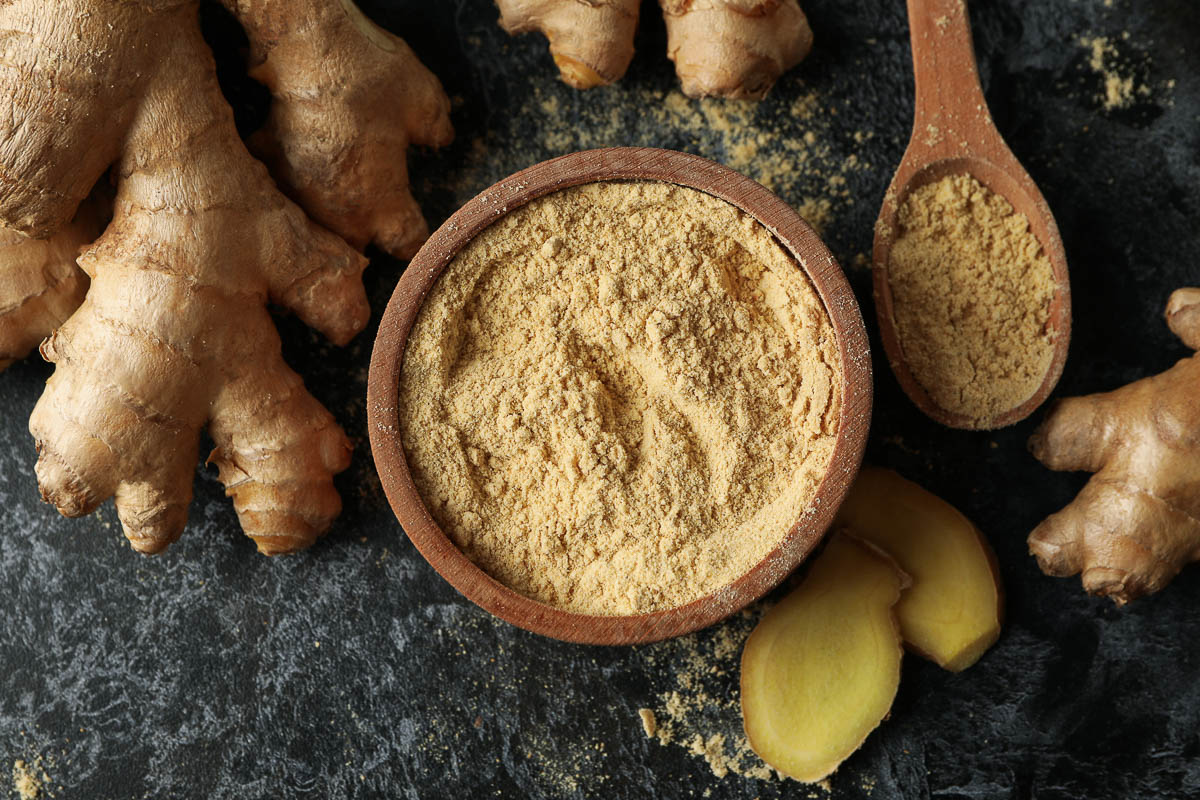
point(354, 671)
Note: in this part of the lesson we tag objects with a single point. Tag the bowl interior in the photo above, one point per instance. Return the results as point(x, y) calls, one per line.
point(513, 192)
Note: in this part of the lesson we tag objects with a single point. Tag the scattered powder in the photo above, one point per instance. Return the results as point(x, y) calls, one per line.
point(28, 779)
point(619, 398)
point(1118, 89)
point(788, 145)
point(701, 712)
point(972, 291)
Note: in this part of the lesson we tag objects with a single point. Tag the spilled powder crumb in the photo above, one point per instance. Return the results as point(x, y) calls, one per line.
point(1118, 89)
point(649, 721)
point(28, 779)
point(971, 289)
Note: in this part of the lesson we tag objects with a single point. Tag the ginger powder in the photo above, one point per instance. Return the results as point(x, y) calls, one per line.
point(972, 289)
point(620, 397)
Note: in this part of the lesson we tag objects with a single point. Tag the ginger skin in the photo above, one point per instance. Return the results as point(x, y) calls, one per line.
point(591, 41)
point(40, 285)
point(337, 157)
point(174, 334)
point(725, 48)
point(734, 48)
point(1137, 522)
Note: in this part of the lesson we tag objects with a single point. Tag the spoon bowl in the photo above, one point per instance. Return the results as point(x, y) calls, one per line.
point(953, 134)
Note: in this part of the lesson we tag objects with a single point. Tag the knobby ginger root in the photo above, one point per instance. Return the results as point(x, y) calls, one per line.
point(951, 613)
point(734, 48)
point(174, 334)
point(1137, 522)
point(821, 670)
point(726, 48)
point(338, 127)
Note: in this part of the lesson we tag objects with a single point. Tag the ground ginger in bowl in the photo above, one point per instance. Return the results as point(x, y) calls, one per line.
point(620, 397)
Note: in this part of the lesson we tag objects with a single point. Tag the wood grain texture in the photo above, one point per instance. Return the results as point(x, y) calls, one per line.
point(953, 133)
point(625, 163)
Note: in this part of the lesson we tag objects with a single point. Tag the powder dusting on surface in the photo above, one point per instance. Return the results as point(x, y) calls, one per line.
point(28, 779)
point(972, 289)
point(700, 712)
point(620, 397)
point(1118, 91)
point(790, 146)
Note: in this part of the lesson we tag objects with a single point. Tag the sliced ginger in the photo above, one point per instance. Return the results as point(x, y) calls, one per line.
point(1137, 522)
point(820, 671)
point(951, 613)
point(726, 48)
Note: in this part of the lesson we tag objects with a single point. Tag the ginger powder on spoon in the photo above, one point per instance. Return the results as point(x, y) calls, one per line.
point(620, 397)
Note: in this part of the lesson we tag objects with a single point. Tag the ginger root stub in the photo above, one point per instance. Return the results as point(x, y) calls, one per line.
point(621, 397)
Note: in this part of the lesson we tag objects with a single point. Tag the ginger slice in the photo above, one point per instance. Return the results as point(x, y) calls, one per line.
point(820, 671)
point(952, 612)
point(1137, 522)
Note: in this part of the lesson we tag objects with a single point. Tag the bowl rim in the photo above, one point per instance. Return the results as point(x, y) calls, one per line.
point(515, 191)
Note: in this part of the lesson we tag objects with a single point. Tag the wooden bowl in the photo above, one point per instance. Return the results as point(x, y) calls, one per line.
point(623, 163)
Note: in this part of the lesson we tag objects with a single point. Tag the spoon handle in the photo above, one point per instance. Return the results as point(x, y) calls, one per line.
point(951, 114)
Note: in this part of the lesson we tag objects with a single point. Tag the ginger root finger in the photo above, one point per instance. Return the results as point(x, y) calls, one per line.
point(821, 669)
point(591, 41)
point(277, 451)
point(1137, 522)
point(734, 48)
point(40, 284)
point(951, 614)
point(348, 100)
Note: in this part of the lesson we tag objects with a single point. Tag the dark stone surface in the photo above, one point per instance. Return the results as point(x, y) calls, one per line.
point(354, 671)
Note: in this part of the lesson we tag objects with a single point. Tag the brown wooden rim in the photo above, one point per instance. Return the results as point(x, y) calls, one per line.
point(620, 163)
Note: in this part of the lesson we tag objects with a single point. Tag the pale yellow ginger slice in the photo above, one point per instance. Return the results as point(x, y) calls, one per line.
point(820, 671)
point(952, 612)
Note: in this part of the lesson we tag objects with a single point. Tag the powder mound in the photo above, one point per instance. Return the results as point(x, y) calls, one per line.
point(971, 289)
point(620, 397)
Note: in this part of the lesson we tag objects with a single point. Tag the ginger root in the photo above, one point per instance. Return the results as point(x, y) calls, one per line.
point(821, 669)
point(951, 613)
point(591, 41)
point(1137, 522)
point(174, 334)
point(725, 48)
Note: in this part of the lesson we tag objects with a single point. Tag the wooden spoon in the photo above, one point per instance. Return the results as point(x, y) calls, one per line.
point(953, 133)
point(618, 163)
